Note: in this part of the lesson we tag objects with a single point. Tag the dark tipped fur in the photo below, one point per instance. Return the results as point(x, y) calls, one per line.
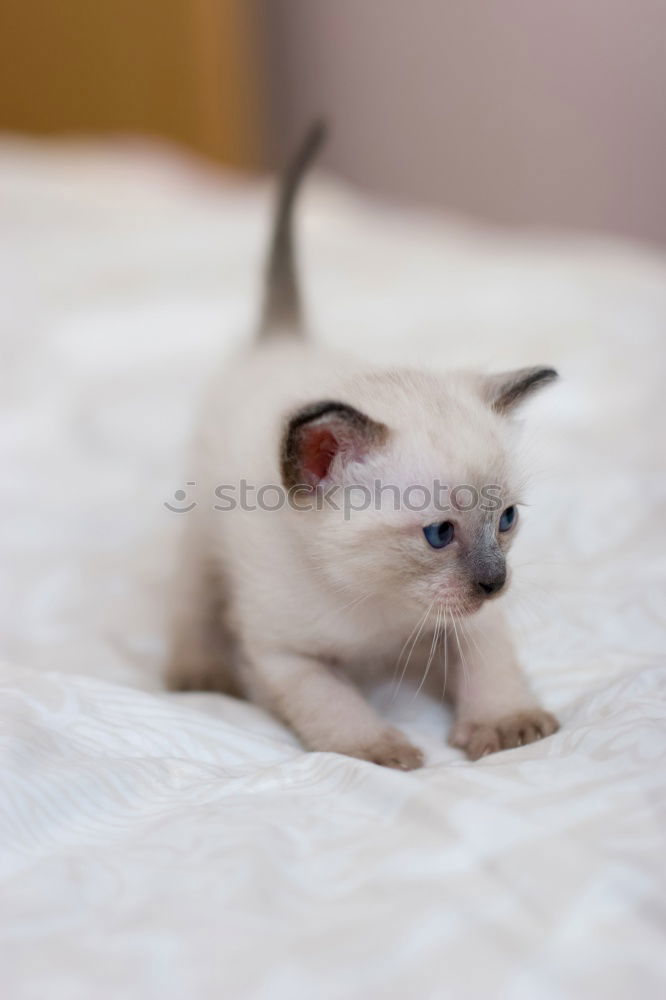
point(509, 389)
point(282, 308)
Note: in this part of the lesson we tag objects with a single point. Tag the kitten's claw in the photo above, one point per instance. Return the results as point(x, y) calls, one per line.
point(478, 740)
point(390, 749)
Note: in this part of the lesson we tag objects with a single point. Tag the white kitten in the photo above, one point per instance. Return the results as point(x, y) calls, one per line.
point(361, 570)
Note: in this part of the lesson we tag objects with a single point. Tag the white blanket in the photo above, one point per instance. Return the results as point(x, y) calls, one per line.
point(183, 846)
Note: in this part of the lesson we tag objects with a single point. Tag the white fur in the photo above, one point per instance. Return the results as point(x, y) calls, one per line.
point(307, 599)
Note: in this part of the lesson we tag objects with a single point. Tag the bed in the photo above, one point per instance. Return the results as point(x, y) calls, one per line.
point(168, 845)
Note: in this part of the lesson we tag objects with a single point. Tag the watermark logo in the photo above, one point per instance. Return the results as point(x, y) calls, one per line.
point(350, 499)
point(183, 503)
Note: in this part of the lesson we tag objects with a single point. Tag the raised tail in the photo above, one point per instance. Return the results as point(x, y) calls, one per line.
point(282, 311)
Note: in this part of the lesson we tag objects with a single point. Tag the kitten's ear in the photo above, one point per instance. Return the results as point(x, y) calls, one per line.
point(321, 434)
point(506, 391)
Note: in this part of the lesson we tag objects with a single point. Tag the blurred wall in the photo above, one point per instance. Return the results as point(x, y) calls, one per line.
point(536, 112)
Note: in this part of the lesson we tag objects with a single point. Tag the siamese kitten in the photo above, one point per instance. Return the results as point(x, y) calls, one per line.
point(346, 580)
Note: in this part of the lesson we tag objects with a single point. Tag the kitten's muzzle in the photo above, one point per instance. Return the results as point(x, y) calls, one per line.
point(492, 584)
point(486, 566)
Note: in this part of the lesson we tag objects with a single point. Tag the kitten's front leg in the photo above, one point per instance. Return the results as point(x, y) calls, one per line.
point(494, 707)
point(324, 710)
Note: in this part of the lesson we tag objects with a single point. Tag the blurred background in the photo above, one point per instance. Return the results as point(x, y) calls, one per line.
point(549, 114)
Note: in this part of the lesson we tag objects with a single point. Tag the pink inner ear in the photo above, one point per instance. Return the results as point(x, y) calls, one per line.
point(318, 449)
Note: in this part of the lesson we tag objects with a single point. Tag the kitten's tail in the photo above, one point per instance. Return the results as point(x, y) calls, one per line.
point(282, 311)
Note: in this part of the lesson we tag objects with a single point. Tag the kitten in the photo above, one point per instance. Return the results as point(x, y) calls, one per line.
point(291, 607)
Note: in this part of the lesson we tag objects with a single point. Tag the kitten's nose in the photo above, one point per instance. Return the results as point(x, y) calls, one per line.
point(493, 583)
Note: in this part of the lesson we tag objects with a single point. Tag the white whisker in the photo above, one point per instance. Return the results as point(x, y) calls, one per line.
point(446, 658)
point(460, 652)
point(413, 646)
point(433, 647)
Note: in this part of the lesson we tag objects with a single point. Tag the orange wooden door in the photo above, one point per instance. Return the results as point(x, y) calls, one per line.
point(187, 70)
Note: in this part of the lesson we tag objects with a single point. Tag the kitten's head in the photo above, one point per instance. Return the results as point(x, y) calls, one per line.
point(408, 490)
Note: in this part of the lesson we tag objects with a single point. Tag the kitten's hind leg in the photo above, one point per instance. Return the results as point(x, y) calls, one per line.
point(202, 648)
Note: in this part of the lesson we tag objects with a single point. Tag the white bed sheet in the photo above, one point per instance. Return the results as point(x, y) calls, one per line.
point(171, 846)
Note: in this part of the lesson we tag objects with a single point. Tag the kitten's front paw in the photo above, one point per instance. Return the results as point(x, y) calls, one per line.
point(389, 749)
point(480, 739)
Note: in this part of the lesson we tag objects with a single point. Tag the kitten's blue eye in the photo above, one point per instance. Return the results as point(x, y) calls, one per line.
point(439, 535)
point(508, 519)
